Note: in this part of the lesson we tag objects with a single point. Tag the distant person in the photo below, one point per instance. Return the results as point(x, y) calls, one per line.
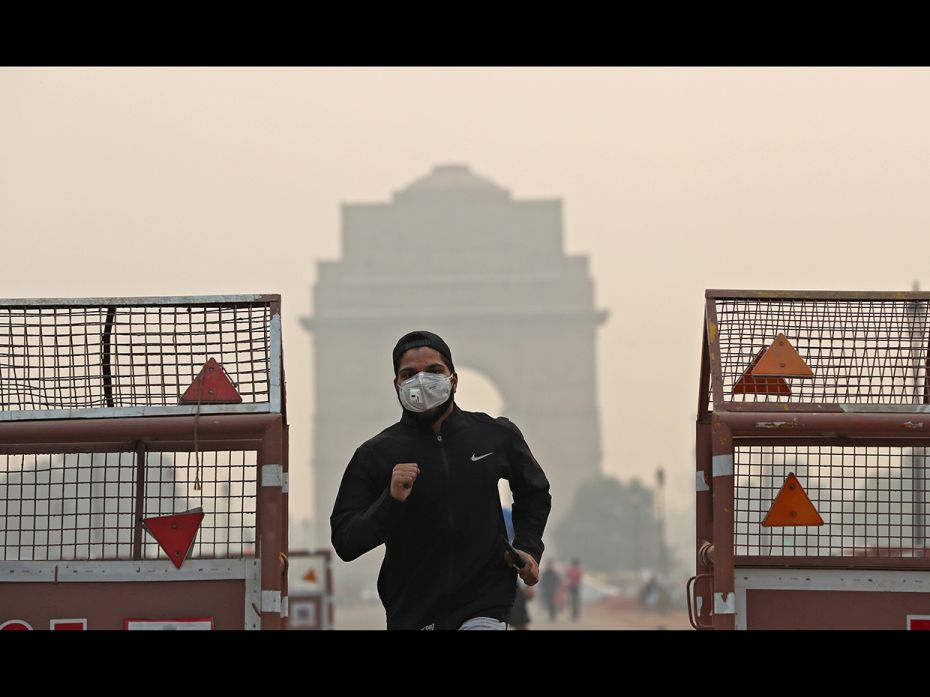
point(426, 488)
point(655, 596)
point(549, 585)
point(573, 584)
point(519, 613)
point(650, 593)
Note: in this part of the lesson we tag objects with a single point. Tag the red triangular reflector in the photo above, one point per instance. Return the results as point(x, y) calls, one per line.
point(211, 385)
point(748, 384)
point(782, 360)
point(175, 533)
point(310, 576)
point(792, 507)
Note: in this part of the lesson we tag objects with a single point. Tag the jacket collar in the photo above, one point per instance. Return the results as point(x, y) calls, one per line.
point(453, 422)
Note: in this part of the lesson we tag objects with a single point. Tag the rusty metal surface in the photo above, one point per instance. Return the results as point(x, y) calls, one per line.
point(143, 301)
point(816, 295)
point(828, 425)
point(713, 353)
point(272, 516)
point(221, 600)
point(211, 426)
point(812, 609)
point(705, 396)
point(723, 581)
point(285, 541)
point(704, 523)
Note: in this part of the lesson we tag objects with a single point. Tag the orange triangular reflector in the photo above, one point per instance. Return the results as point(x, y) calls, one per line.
point(792, 507)
point(782, 360)
point(748, 384)
point(310, 576)
point(212, 385)
point(175, 533)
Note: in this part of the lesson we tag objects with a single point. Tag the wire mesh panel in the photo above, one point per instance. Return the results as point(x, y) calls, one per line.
point(66, 506)
point(82, 506)
point(227, 494)
point(861, 351)
point(873, 500)
point(81, 355)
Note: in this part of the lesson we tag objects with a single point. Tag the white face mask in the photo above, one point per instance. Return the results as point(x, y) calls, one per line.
point(424, 391)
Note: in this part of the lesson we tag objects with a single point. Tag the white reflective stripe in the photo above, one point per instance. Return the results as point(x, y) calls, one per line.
point(724, 607)
point(879, 580)
point(272, 475)
point(287, 481)
point(701, 483)
point(118, 412)
point(253, 593)
point(284, 607)
point(723, 465)
point(700, 604)
point(739, 620)
point(271, 601)
point(892, 408)
point(121, 571)
point(777, 424)
point(26, 571)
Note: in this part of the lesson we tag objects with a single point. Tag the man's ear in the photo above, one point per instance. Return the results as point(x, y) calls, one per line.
point(455, 380)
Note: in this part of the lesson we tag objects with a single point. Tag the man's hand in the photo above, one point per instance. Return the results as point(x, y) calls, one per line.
point(530, 571)
point(402, 479)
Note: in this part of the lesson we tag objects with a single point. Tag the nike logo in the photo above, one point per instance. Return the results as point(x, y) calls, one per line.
point(480, 457)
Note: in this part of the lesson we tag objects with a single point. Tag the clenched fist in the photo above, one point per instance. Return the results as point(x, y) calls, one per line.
point(530, 571)
point(402, 479)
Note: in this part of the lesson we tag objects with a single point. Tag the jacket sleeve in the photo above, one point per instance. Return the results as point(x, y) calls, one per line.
point(531, 499)
point(365, 513)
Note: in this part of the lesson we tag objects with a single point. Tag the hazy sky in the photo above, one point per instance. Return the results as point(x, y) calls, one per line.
point(201, 181)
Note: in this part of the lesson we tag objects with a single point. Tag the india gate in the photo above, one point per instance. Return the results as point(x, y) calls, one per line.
point(456, 254)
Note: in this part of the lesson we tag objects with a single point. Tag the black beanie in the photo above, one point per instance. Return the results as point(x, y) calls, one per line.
point(418, 339)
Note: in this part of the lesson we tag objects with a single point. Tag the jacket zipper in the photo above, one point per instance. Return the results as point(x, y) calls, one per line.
point(450, 581)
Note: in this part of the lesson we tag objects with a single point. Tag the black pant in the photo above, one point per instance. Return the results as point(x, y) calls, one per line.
point(574, 596)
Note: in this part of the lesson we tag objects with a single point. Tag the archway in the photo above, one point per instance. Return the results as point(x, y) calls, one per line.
point(453, 253)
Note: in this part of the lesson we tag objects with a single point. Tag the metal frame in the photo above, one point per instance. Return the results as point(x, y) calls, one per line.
point(263, 432)
point(723, 425)
point(252, 426)
point(874, 581)
point(160, 571)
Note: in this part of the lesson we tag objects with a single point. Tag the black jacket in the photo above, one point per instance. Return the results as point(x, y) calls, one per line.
point(444, 559)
